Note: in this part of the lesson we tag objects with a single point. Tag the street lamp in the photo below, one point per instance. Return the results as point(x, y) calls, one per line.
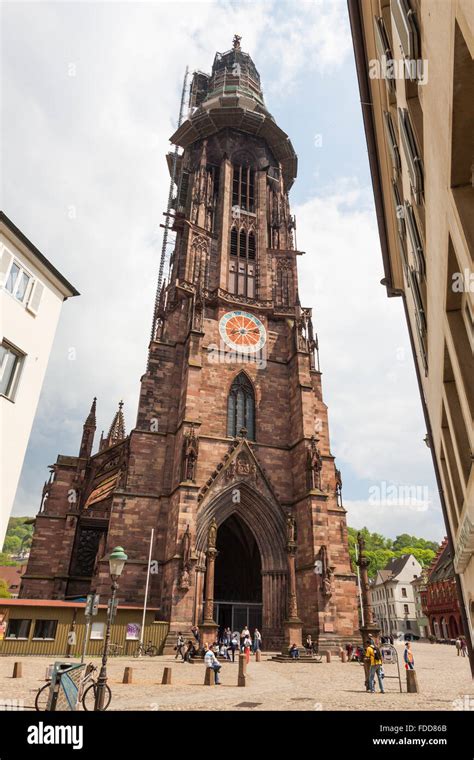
point(117, 561)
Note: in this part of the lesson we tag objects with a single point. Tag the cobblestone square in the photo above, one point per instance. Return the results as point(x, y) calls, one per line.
point(444, 681)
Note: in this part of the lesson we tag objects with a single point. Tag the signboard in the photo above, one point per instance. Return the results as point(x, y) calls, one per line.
point(133, 632)
point(92, 605)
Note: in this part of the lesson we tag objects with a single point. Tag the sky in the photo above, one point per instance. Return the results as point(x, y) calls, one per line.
point(90, 96)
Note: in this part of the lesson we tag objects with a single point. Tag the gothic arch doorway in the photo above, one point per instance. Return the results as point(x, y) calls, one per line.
point(260, 526)
point(238, 577)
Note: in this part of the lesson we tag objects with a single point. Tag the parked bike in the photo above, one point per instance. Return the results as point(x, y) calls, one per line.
point(149, 650)
point(87, 692)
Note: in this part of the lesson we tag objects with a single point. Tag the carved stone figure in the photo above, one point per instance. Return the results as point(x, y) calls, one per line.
point(314, 465)
point(212, 534)
point(290, 529)
point(190, 455)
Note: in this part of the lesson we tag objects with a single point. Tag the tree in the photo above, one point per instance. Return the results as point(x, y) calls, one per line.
point(4, 593)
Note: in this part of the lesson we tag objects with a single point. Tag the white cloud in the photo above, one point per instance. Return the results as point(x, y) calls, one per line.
point(369, 383)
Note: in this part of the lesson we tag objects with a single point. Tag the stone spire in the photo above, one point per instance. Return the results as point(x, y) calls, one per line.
point(88, 433)
point(116, 431)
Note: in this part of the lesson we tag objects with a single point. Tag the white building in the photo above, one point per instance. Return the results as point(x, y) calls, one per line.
point(31, 295)
point(393, 597)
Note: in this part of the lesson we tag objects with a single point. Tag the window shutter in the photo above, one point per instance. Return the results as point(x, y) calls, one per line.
point(413, 159)
point(392, 143)
point(5, 261)
point(407, 29)
point(35, 297)
point(415, 240)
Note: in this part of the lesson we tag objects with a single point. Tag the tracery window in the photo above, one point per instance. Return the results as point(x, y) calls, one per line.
point(241, 407)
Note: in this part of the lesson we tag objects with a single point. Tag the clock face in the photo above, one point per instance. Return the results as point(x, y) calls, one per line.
point(242, 332)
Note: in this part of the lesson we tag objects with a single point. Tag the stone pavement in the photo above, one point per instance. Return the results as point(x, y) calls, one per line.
point(444, 680)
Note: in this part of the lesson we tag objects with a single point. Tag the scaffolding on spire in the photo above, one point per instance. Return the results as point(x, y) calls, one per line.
point(167, 226)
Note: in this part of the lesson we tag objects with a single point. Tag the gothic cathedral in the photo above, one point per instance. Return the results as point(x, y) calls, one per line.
point(229, 461)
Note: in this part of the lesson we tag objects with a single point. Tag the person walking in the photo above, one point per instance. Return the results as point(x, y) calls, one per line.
point(211, 661)
point(257, 640)
point(234, 644)
point(243, 635)
point(458, 644)
point(374, 656)
point(349, 650)
point(179, 646)
point(246, 648)
point(408, 657)
point(464, 647)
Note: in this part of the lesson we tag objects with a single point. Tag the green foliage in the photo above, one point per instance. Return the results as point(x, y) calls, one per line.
point(4, 593)
point(18, 535)
point(381, 550)
point(5, 559)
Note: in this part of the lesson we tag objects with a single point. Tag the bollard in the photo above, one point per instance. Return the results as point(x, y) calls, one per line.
point(343, 656)
point(412, 682)
point(209, 677)
point(17, 670)
point(127, 675)
point(258, 656)
point(241, 681)
point(328, 656)
point(167, 676)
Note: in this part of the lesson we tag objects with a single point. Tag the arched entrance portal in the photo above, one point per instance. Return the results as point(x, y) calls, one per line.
point(238, 577)
point(257, 520)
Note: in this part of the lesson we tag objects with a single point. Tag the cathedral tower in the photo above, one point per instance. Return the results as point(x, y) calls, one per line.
point(230, 460)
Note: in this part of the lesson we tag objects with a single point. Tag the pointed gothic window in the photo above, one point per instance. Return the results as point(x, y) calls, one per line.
point(242, 263)
point(241, 407)
point(243, 188)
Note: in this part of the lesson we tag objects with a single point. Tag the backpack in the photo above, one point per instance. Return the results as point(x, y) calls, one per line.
point(377, 652)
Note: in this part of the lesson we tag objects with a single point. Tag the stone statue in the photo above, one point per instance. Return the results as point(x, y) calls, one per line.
point(186, 548)
point(290, 529)
point(190, 455)
point(212, 534)
point(315, 465)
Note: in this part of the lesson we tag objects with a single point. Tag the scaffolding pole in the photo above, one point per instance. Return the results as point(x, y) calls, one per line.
point(168, 219)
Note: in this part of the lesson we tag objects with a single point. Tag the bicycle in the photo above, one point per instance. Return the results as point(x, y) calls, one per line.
point(86, 696)
point(115, 650)
point(149, 650)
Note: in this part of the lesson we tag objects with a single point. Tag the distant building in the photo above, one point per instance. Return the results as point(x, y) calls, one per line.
point(415, 67)
point(393, 596)
point(420, 593)
point(442, 604)
point(11, 574)
point(31, 295)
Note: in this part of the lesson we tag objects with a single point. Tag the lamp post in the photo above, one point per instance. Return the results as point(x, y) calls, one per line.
point(117, 561)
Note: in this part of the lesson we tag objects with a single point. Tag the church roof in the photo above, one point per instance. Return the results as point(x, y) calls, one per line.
point(231, 97)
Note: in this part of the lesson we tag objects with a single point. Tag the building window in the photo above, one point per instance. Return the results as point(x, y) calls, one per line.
point(45, 629)
point(11, 361)
point(404, 592)
point(97, 631)
point(408, 625)
point(18, 629)
point(18, 281)
point(242, 263)
point(405, 609)
point(241, 407)
point(243, 188)
point(412, 154)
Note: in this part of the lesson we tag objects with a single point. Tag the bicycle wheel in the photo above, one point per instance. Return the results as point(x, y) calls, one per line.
point(152, 651)
point(88, 699)
point(42, 697)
